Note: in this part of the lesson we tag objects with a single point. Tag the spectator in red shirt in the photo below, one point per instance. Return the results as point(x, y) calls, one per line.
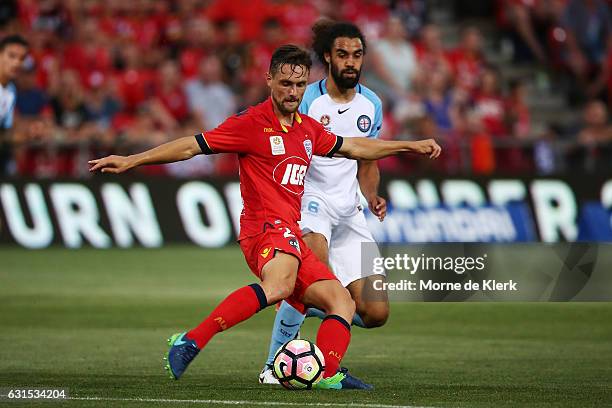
point(199, 42)
point(249, 14)
point(518, 118)
point(297, 18)
point(489, 105)
point(273, 35)
point(131, 21)
point(370, 15)
point(134, 82)
point(89, 54)
point(467, 60)
point(431, 54)
point(169, 92)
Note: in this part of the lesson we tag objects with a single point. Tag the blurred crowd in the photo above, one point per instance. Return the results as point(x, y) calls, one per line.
point(118, 76)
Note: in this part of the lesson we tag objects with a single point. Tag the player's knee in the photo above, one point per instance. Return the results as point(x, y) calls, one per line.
point(315, 238)
point(374, 316)
point(318, 244)
point(280, 290)
point(343, 305)
point(279, 287)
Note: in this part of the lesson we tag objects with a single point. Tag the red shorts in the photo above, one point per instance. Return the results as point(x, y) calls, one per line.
point(260, 249)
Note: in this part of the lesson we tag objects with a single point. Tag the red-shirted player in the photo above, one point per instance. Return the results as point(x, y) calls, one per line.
point(274, 145)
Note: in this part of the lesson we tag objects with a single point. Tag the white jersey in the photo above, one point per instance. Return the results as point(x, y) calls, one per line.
point(334, 180)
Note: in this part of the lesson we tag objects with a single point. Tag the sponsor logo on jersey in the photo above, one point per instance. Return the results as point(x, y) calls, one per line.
point(287, 233)
point(290, 174)
point(340, 112)
point(266, 251)
point(277, 145)
point(364, 123)
point(268, 130)
point(325, 119)
point(308, 148)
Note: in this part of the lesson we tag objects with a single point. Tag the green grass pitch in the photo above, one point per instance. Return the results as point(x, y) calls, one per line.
point(95, 322)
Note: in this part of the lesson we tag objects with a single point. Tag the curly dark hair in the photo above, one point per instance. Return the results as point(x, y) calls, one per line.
point(326, 31)
point(289, 54)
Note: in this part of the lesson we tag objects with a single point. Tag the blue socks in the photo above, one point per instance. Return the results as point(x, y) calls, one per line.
point(358, 321)
point(287, 324)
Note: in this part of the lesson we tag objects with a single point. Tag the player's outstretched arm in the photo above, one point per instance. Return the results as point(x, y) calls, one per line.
point(373, 149)
point(180, 149)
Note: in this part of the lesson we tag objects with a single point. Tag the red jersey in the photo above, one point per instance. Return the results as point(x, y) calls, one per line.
point(273, 162)
point(491, 109)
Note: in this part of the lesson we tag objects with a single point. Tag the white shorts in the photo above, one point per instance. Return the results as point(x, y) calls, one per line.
point(344, 237)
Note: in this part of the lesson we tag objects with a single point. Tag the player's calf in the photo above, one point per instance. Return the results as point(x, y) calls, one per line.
point(318, 245)
point(372, 305)
point(235, 308)
point(334, 334)
point(331, 297)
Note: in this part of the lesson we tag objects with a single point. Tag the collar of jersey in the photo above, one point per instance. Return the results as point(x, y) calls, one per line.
point(276, 122)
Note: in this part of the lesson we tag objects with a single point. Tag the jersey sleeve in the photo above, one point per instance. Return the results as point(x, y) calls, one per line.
point(231, 136)
point(326, 143)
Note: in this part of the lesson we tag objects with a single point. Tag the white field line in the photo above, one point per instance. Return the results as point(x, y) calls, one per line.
point(238, 402)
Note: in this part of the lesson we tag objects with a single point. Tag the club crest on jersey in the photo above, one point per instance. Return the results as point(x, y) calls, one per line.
point(277, 145)
point(325, 119)
point(308, 148)
point(364, 123)
point(294, 243)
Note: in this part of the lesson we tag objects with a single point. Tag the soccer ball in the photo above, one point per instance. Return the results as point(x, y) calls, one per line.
point(298, 365)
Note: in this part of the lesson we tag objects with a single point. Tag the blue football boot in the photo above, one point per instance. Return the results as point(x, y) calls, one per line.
point(182, 351)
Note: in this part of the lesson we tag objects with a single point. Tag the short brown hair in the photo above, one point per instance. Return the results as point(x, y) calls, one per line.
point(289, 54)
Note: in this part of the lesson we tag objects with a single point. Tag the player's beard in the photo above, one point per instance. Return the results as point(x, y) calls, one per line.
point(282, 107)
point(343, 81)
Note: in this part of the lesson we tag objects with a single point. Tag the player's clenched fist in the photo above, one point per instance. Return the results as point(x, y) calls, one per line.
point(111, 164)
point(428, 146)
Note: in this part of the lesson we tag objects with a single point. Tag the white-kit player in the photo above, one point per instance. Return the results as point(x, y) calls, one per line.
point(333, 224)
